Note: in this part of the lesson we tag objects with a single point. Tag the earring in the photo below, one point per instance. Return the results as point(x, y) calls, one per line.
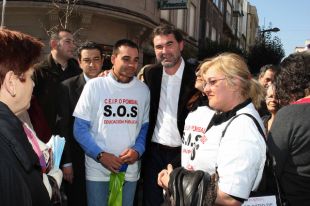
point(13, 95)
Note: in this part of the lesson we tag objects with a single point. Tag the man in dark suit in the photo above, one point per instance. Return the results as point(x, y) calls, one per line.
point(171, 85)
point(90, 60)
point(58, 66)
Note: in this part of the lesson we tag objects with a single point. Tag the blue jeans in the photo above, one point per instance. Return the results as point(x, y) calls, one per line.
point(98, 193)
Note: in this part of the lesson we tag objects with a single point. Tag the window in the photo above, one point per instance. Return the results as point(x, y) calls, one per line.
point(221, 6)
point(180, 19)
point(213, 34)
point(207, 29)
point(192, 14)
point(228, 14)
point(216, 2)
point(164, 14)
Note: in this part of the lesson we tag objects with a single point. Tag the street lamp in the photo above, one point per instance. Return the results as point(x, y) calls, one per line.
point(275, 29)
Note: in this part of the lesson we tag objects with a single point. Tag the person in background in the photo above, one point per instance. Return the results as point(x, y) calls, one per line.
point(20, 173)
point(140, 73)
point(199, 98)
point(73, 160)
point(273, 106)
point(238, 155)
point(266, 77)
point(289, 136)
point(111, 121)
point(171, 84)
point(59, 65)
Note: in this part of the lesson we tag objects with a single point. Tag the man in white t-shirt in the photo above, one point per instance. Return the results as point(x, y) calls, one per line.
point(111, 122)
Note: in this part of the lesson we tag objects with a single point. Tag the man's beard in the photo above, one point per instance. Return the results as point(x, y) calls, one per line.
point(170, 64)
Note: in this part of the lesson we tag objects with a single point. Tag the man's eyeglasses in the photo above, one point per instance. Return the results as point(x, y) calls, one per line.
point(211, 82)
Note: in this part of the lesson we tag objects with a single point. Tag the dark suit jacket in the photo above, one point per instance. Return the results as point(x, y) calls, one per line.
point(47, 77)
point(21, 182)
point(69, 94)
point(153, 78)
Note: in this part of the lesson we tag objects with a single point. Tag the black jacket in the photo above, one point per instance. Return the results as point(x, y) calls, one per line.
point(21, 182)
point(153, 77)
point(47, 78)
point(69, 94)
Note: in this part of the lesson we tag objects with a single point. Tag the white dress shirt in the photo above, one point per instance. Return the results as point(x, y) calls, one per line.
point(166, 129)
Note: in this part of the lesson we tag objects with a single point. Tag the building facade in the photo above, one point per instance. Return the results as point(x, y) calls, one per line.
point(106, 21)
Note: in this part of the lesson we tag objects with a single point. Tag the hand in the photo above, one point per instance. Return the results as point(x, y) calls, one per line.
point(104, 73)
point(129, 156)
point(164, 177)
point(68, 173)
point(111, 162)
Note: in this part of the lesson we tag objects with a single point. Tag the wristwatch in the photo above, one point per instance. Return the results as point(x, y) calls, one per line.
point(99, 156)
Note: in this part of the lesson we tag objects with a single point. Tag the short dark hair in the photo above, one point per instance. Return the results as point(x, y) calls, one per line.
point(54, 34)
point(124, 42)
point(267, 67)
point(294, 77)
point(89, 45)
point(18, 52)
point(165, 29)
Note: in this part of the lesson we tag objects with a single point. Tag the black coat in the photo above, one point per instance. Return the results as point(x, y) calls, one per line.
point(153, 77)
point(21, 182)
point(69, 93)
point(47, 77)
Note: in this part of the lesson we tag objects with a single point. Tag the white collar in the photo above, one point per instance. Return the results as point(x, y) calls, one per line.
point(85, 77)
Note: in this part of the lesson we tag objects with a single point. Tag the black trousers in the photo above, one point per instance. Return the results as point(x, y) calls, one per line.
point(155, 160)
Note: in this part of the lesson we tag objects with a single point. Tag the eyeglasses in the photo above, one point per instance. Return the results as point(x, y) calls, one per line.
point(211, 82)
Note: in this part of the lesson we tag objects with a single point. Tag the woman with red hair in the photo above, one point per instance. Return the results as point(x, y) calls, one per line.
point(21, 182)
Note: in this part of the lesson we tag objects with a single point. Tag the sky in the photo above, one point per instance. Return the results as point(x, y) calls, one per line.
point(291, 17)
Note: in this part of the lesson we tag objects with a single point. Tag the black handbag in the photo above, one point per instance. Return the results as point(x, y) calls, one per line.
point(191, 188)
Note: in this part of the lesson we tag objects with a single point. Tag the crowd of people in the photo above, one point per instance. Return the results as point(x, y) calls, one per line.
point(186, 136)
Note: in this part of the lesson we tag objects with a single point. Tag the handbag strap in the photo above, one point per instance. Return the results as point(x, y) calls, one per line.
point(253, 118)
point(268, 155)
point(234, 117)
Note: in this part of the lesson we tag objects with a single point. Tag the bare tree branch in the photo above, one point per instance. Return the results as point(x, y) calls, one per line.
point(64, 10)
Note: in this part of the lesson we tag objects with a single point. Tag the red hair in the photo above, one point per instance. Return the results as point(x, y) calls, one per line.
point(18, 52)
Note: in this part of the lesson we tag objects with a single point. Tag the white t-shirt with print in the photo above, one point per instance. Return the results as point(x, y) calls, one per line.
point(116, 112)
point(240, 155)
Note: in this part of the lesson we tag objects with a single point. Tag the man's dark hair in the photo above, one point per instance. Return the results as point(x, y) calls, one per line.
point(166, 29)
point(89, 45)
point(124, 42)
point(54, 34)
point(266, 67)
point(294, 78)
